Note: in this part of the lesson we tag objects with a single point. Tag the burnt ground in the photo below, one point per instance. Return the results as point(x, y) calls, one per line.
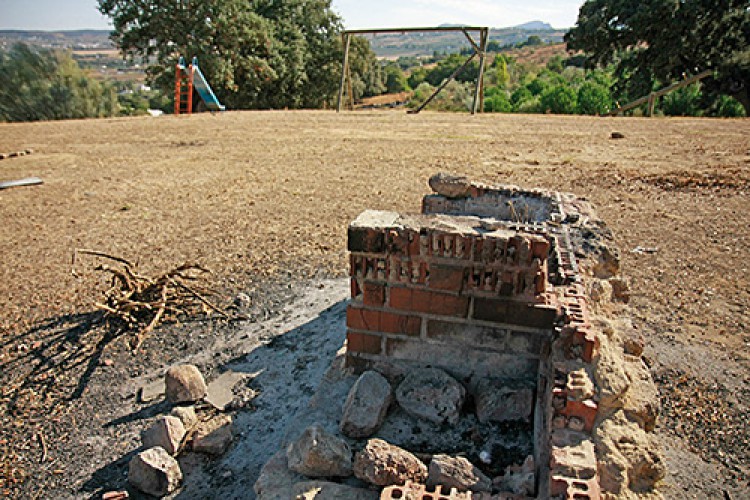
point(263, 199)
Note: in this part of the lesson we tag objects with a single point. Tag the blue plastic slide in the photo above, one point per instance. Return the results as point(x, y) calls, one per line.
point(204, 89)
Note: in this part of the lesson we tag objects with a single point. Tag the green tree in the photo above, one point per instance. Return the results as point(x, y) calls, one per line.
point(560, 99)
point(502, 76)
point(593, 99)
point(496, 101)
point(556, 64)
point(48, 85)
point(395, 80)
point(255, 53)
point(661, 40)
point(417, 76)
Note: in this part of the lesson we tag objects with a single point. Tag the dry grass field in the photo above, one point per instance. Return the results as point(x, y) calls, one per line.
point(255, 196)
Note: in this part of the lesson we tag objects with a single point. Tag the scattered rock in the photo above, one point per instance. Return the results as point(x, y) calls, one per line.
point(151, 392)
point(167, 432)
point(184, 384)
point(324, 490)
point(242, 300)
point(366, 406)
point(503, 401)
point(617, 135)
point(213, 437)
point(155, 472)
point(457, 472)
point(518, 480)
point(219, 392)
point(600, 291)
point(383, 464)
point(186, 414)
point(320, 454)
point(450, 186)
point(276, 480)
point(431, 394)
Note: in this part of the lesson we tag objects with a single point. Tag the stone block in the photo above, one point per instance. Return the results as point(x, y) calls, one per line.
point(167, 432)
point(383, 464)
point(366, 405)
point(456, 472)
point(319, 454)
point(431, 394)
point(503, 401)
point(184, 384)
point(154, 471)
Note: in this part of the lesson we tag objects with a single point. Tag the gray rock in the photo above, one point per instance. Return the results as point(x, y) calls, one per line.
point(186, 414)
point(383, 464)
point(319, 454)
point(431, 394)
point(276, 480)
point(184, 384)
point(155, 472)
point(213, 437)
point(450, 186)
point(366, 406)
point(457, 472)
point(167, 432)
point(503, 401)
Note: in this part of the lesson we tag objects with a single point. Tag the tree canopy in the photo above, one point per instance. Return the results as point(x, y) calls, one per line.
point(47, 85)
point(657, 41)
point(255, 53)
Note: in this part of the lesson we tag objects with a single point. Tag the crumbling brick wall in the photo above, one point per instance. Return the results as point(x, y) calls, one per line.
point(449, 291)
point(486, 283)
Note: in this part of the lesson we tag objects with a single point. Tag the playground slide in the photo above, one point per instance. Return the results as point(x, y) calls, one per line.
point(204, 89)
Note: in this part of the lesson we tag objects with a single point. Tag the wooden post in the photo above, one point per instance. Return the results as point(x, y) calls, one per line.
point(651, 104)
point(478, 105)
point(345, 39)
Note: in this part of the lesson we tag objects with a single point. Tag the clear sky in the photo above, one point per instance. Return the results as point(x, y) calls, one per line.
point(80, 14)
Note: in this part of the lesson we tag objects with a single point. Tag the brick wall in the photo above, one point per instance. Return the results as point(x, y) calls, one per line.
point(449, 291)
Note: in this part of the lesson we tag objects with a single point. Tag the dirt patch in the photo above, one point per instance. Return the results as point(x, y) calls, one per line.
point(263, 200)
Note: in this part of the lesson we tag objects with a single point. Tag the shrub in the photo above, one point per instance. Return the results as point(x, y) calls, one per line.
point(593, 99)
point(498, 102)
point(560, 99)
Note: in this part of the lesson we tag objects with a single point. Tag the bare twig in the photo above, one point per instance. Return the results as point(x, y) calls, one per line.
point(43, 445)
point(199, 297)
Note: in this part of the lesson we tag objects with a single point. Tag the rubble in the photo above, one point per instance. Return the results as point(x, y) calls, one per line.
point(154, 471)
point(214, 436)
point(186, 414)
point(457, 472)
point(503, 401)
point(383, 464)
point(184, 384)
point(366, 405)
point(431, 394)
point(167, 432)
point(319, 454)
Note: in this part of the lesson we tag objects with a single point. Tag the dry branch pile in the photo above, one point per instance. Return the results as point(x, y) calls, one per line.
point(141, 302)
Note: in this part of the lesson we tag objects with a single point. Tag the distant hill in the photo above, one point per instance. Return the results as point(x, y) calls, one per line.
point(76, 40)
point(535, 26)
point(392, 46)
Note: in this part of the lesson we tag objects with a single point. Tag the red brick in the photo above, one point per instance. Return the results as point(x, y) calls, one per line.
point(374, 294)
point(401, 324)
point(425, 301)
point(401, 298)
point(363, 343)
point(514, 313)
point(359, 318)
point(450, 278)
point(397, 242)
point(573, 488)
point(585, 410)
